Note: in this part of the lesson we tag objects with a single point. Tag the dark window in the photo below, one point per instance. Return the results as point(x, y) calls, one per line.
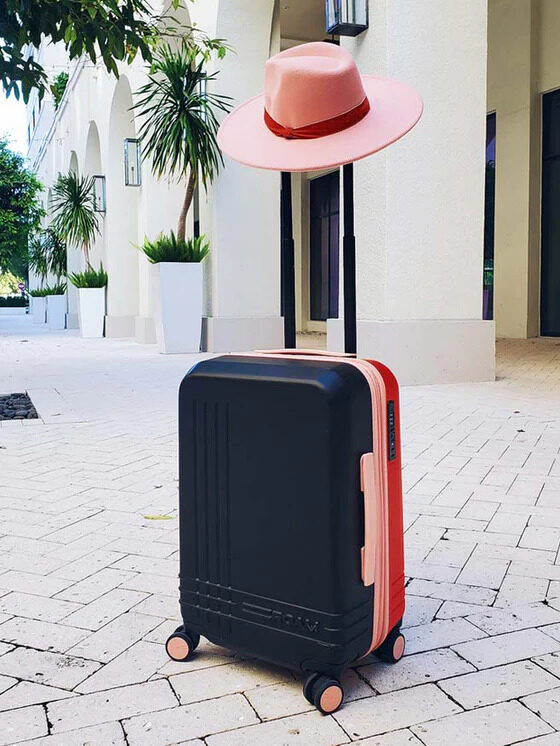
point(323, 246)
point(489, 215)
point(550, 218)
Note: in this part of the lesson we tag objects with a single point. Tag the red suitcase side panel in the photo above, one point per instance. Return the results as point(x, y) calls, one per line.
point(396, 535)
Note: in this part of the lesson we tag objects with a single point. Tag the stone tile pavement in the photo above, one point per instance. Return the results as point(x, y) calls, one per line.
point(88, 565)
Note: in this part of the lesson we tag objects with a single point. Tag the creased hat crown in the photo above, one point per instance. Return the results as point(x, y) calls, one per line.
point(311, 83)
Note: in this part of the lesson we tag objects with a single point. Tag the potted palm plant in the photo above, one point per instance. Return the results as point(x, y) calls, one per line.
point(178, 131)
point(56, 294)
point(75, 222)
point(39, 264)
point(91, 284)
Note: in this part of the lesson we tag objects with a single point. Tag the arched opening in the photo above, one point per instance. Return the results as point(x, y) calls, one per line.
point(92, 167)
point(121, 222)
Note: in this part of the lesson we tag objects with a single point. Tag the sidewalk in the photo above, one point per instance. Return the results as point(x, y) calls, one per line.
point(88, 565)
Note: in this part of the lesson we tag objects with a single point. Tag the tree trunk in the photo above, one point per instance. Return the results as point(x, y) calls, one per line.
point(182, 224)
point(86, 254)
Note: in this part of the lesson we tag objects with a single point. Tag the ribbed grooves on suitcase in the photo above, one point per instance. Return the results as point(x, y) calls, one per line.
point(218, 604)
point(211, 514)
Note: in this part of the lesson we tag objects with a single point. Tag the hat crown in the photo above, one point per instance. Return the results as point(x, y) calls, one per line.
point(311, 83)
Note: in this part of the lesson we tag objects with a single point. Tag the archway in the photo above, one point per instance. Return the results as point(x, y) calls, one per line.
point(92, 167)
point(121, 222)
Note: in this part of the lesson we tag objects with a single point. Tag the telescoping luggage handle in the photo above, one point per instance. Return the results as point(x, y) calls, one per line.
point(349, 261)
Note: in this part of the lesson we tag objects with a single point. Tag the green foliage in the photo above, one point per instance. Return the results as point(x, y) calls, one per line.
point(74, 218)
point(58, 88)
point(114, 30)
point(169, 248)
point(13, 301)
point(91, 278)
point(37, 256)
point(38, 293)
point(9, 283)
point(58, 288)
point(179, 117)
point(20, 210)
point(47, 253)
point(56, 252)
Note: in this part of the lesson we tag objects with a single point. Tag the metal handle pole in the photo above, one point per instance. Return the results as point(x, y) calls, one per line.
point(287, 258)
point(349, 261)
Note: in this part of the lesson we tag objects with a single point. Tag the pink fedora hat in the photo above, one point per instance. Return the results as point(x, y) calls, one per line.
point(317, 112)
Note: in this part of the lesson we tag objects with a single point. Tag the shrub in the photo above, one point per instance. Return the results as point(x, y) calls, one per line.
point(13, 301)
point(38, 293)
point(91, 278)
point(169, 248)
point(58, 289)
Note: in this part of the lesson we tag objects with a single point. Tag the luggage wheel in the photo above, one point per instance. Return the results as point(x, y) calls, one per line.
point(181, 644)
point(392, 649)
point(324, 692)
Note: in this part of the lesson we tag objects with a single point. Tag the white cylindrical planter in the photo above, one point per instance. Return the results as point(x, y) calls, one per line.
point(56, 311)
point(39, 310)
point(178, 306)
point(91, 310)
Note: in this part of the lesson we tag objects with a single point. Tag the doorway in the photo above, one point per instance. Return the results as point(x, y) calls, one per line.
point(550, 217)
point(324, 218)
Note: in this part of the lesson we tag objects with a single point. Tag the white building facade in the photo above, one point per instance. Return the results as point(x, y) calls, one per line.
point(420, 210)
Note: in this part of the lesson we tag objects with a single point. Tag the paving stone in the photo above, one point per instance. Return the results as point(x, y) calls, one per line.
point(106, 734)
point(551, 740)
point(26, 693)
point(33, 607)
point(88, 565)
point(191, 721)
point(537, 537)
point(42, 667)
point(498, 621)
point(23, 724)
point(439, 634)
point(115, 704)
point(454, 609)
point(118, 635)
point(218, 681)
point(420, 610)
point(498, 684)
point(546, 705)
point(552, 629)
point(162, 585)
point(57, 638)
point(400, 709)
point(498, 725)
point(103, 610)
point(25, 582)
point(451, 591)
point(161, 606)
point(514, 646)
point(516, 591)
point(137, 664)
point(91, 588)
point(396, 738)
point(301, 730)
point(415, 669)
point(485, 572)
point(6, 682)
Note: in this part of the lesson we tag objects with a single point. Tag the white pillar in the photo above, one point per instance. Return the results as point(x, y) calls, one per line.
point(242, 213)
point(512, 93)
point(419, 204)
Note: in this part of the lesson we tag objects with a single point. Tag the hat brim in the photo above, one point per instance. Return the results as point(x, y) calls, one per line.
point(395, 109)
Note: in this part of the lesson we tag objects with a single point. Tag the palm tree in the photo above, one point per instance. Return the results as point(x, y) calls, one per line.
point(73, 211)
point(179, 122)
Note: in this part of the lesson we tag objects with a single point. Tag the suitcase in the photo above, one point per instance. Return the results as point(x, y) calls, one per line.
point(291, 529)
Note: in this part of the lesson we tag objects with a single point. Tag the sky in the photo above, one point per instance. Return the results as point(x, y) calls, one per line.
point(12, 122)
